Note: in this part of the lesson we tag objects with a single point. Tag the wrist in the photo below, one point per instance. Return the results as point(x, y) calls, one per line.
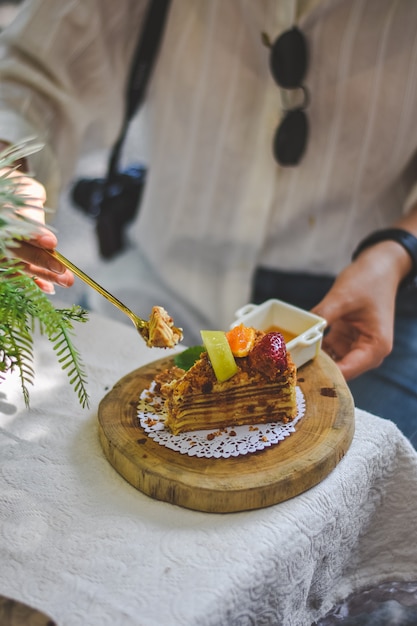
point(394, 248)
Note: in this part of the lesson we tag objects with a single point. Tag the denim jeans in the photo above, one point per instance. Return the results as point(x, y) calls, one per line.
point(390, 390)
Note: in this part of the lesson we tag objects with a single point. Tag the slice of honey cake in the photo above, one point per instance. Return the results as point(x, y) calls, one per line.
point(262, 389)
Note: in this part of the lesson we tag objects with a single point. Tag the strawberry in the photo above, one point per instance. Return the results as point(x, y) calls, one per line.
point(269, 354)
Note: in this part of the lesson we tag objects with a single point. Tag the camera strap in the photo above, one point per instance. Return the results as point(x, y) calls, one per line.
point(140, 73)
point(114, 200)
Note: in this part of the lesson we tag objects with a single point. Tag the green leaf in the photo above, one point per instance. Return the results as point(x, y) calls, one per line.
point(186, 359)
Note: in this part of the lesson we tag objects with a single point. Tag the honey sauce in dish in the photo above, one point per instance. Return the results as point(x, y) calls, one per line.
point(285, 333)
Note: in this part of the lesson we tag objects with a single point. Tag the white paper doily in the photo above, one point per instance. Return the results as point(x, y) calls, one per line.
point(212, 443)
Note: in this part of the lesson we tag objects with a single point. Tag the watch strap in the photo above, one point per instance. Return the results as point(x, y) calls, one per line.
point(401, 236)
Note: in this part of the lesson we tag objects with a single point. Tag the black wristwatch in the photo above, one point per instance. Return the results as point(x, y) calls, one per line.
point(405, 239)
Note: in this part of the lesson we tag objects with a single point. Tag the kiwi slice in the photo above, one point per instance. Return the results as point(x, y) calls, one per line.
point(220, 354)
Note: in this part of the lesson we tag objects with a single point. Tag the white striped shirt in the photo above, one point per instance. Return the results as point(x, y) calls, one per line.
point(216, 204)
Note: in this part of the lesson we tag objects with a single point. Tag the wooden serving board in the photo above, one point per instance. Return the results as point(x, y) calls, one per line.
point(15, 613)
point(240, 483)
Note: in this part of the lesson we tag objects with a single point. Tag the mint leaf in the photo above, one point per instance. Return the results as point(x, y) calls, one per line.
point(185, 360)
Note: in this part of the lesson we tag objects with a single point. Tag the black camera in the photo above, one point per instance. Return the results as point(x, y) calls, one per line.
point(112, 202)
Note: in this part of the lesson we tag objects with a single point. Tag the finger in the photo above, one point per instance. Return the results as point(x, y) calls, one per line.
point(44, 285)
point(42, 238)
point(357, 356)
point(46, 239)
point(354, 356)
point(330, 309)
point(63, 279)
point(358, 361)
point(37, 257)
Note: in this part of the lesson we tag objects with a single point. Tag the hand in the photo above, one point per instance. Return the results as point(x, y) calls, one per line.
point(36, 262)
point(360, 309)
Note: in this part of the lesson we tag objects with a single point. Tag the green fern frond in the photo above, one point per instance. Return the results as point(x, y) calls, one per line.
point(23, 305)
point(69, 357)
point(18, 355)
point(16, 343)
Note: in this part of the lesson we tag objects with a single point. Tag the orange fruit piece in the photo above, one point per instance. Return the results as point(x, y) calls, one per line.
point(241, 339)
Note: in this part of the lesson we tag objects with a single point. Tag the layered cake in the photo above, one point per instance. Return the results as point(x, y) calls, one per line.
point(262, 389)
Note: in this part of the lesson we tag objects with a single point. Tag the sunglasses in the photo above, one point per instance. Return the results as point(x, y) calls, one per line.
point(288, 64)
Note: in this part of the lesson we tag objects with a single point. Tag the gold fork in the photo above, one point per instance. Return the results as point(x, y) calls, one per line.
point(141, 325)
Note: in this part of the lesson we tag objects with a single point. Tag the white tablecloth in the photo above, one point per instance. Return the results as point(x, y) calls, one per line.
point(81, 544)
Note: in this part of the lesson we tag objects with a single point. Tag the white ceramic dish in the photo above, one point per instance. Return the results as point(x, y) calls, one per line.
point(307, 327)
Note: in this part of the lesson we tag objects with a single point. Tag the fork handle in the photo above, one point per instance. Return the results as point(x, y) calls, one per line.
point(92, 283)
